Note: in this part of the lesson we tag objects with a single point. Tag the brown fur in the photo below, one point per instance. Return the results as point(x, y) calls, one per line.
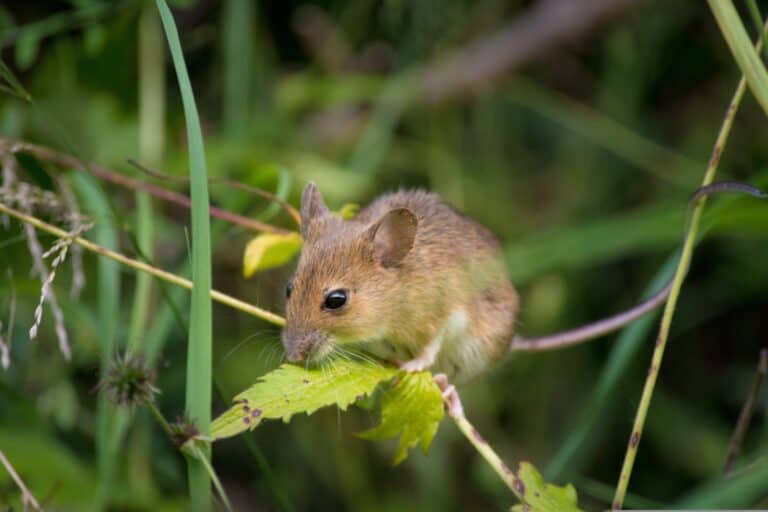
point(414, 268)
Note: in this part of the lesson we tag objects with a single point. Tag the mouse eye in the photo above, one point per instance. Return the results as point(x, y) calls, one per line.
point(288, 289)
point(335, 299)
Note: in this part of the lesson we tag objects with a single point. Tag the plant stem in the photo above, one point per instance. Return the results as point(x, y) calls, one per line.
point(745, 416)
point(97, 205)
point(160, 419)
point(151, 72)
point(669, 309)
point(103, 173)
point(456, 411)
point(218, 296)
point(200, 455)
point(582, 437)
point(200, 344)
point(280, 203)
point(151, 145)
point(757, 19)
point(26, 497)
point(743, 53)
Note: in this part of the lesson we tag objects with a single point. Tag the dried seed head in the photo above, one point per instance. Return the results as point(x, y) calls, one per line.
point(184, 431)
point(129, 380)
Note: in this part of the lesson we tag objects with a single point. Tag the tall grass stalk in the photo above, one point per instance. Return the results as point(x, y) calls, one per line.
point(151, 148)
point(96, 205)
point(744, 53)
point(722, 11)
point(238, 43)
point(151, 142)
point(199, 352)
point(582, 438)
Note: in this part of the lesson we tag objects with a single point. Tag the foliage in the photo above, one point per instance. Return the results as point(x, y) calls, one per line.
point(412, 410)
point(291, 389)
point(200, 341)
point(580, 158)
point(543, 497)
point(348, 211)
point(270, 250)
point(743, 49)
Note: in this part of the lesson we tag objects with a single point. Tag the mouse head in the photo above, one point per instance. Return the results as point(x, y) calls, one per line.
point(346, 280)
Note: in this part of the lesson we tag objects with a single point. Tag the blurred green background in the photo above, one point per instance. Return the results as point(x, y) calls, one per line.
point(575, 134)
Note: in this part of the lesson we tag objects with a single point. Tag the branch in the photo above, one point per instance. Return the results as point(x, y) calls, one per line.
point(526, 483)
point(745, 416)
point(549, 23)
point(65, 160)
point(455, 410)
point(285, 205)
point(669, 309)
point(26, 497)
point(144, 267)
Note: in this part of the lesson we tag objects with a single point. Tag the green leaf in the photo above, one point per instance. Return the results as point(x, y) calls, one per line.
point(411, 409)
point(292, 389)
point(538, 496)
point(27, 46)
point(348, 211)
point(200, 340)
point(270, 250)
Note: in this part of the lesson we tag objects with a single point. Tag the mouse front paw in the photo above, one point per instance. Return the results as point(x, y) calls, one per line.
point(415, 365)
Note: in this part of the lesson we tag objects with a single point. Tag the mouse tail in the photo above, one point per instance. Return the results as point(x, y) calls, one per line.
point(593, 330)
point(616, 322)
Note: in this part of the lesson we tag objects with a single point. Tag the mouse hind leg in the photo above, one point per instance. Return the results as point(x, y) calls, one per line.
point(487, 336)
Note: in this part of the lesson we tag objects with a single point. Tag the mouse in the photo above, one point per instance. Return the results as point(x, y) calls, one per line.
point(414, 281)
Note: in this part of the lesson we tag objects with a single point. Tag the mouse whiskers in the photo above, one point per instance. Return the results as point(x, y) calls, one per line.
point(257, 336)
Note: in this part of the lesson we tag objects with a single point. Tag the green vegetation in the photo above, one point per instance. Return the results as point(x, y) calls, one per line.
point(129, 317)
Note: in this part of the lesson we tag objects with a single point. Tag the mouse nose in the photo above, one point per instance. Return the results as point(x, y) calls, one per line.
point(298, 343)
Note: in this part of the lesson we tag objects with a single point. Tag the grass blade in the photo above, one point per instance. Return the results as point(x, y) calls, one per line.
point(97, 206)
point(742, 49)
point(238, 45)
point(151, 146)
point(622, 354)
point(741, 490)
point(757, 19)
point(686, 256)
point(199, 352)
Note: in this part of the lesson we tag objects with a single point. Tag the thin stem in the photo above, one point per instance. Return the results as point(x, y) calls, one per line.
point(218, 296)
point(160, 419)
point(757, 19)
point(26, 497)
point(151, 65)
point(285, 205)
point(103, 173)
point(456, 411)
point(669, 309)
point(745, 416)
point(198, 454)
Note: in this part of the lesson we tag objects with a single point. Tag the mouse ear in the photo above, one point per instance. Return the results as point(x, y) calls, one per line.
point(393, 235)
point(312, 207)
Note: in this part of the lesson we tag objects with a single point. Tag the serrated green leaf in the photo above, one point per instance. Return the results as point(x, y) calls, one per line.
point(292, 389)
point(270, 250)
point(411, 409)
point(538, 496)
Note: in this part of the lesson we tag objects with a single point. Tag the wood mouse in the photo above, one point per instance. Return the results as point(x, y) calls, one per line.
point(412, 280)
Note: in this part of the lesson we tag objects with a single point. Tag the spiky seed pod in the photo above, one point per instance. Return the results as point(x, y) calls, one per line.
point(129, 381)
